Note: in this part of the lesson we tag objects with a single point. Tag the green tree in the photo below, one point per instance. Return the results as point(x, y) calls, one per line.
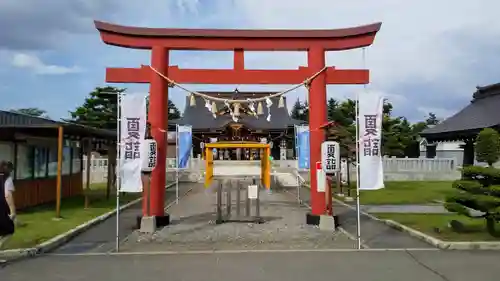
point(300, 111)
point(100, 109)
point(479, 188)
point(488, 146)
point(32, 111)
point(432, 119)
point(173, 111)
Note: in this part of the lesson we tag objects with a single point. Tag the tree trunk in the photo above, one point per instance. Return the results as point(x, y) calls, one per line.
point(490, 226)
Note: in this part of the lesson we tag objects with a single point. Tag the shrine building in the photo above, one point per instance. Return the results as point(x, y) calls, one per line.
point(235, 122)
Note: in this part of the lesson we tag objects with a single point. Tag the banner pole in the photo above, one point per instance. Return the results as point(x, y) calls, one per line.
point(177, 164)
point(118, 169)
point(358, 212)
point(297, 161)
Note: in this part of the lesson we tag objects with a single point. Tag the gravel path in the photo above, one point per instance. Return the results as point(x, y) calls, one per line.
point(193, 227)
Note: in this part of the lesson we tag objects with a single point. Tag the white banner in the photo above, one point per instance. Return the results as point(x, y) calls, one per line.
point(132, 131)
point(371, 175)
point(330, 156)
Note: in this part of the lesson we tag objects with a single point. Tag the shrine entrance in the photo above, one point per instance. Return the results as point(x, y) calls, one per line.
point(160, 75)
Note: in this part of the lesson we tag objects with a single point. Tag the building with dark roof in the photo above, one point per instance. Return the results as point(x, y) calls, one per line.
point(33, 145)
point(482, 112)
point(246, 127)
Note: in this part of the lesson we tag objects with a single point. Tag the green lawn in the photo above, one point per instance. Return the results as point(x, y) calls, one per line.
point(405, 192)
point(38, 223)
point(429, 223)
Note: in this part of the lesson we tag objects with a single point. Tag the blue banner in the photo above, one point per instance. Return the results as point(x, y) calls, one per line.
point(184, 145)
point(302, 143)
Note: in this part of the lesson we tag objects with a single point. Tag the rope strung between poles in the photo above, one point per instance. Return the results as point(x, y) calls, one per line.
point(306, 83)
point(235, 112)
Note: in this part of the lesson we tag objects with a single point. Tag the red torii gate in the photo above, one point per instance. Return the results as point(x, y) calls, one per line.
point(161, 40)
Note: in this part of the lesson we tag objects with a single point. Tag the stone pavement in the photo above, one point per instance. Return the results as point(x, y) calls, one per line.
point(374, 234)
point(101, 238)
point(413, 209)
point(350, 265)
point(193, 228)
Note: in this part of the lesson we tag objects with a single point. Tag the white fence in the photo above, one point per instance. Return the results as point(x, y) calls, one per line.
point(395, 169)
point(99, 170)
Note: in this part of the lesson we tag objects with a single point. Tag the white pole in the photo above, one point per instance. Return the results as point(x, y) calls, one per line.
point(358, 168)
point(177, 163)
point(358, 216)
point(118, 169)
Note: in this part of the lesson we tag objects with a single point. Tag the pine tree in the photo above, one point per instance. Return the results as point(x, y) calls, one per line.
point(100, 109)
point(479, 188)
point(300, 111)
point(488, 146)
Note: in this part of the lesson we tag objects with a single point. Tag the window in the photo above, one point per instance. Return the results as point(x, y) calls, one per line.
point(40, 163)
point(52, 162)
point(77, 162)
point(66, 161)
point(7, 151)
point(24, 163)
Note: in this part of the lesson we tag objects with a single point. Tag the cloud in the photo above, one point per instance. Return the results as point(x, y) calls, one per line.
point(429, 54)
point(41, 25)
point(426, 44)
point(34, 64)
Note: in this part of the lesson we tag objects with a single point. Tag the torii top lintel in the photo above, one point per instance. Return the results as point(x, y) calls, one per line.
point(233, 39)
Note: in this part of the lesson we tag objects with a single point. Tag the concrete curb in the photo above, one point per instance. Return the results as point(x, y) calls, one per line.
point(61, 239)
point(440, 244)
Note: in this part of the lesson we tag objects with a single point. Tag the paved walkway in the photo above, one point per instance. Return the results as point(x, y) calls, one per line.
point(414, 209)
point(278, 266)
point(102, 237)
point(193, 228)
point(411, 209)
point(374, 234)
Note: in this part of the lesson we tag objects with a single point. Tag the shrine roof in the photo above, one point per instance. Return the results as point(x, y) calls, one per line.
point(236, 33)
point(200, 118)
point(482, 112)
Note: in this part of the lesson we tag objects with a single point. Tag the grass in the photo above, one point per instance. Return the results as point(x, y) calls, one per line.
point(405, 192)
point(475, 229)
point(38, 223)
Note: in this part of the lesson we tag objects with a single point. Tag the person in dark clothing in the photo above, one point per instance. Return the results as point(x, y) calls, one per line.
point(6, 222)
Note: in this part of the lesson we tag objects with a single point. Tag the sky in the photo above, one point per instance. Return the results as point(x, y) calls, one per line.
point(428, 56)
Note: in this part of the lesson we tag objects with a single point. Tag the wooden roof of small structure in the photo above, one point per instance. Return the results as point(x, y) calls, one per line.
point(39, 125)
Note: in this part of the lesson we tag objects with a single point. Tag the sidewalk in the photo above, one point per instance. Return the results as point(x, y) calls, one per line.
point(102, 237)
point(374, 234)
point(193, 228)
point(407, 209)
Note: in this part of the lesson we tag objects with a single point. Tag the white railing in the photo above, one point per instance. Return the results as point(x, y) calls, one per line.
point(419, 164)
point(99, 169)
point(394, 168)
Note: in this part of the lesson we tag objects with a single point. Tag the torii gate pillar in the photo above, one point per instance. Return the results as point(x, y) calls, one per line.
point(317, 117)
point(158, 118)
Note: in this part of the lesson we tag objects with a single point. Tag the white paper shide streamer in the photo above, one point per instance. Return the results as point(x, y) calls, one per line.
point(371, 173)
point(132, 131)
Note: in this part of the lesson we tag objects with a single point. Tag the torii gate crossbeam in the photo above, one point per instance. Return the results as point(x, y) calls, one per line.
point(161, 40)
